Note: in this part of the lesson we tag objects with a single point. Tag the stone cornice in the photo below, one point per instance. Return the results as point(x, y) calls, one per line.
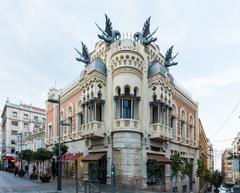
point(130, 70)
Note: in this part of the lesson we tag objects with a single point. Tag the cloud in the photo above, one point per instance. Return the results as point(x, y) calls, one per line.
point(205, 85)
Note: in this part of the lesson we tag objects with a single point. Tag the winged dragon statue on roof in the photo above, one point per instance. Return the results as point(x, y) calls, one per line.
point(109, 35)
point(84, 55)
point(169, 58)
point(145, 37)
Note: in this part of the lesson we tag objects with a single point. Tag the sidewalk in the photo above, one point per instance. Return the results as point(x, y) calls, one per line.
point(69, 186)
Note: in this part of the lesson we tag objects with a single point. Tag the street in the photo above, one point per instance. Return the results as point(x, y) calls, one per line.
point(10, 183)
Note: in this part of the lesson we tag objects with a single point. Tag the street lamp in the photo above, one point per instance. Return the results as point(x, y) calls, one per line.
point(21, 136)
point(59, 184)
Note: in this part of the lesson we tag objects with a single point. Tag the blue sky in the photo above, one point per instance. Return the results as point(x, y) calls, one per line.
point(37, 40)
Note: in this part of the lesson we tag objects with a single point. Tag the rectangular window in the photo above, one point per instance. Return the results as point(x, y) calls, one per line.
point(14, 132)
point(35, 119)
point(13, 142)
point(13, 150)
point(14, 114)
point(25, 125)
point(50, 131)
point(15, 123)
point(25, 116)
point(43, 120)
point(126, 108)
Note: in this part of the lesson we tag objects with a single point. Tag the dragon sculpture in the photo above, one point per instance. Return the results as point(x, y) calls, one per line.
point(109, 35)
point(84, 56)
point(145, 37)
point(169, 58)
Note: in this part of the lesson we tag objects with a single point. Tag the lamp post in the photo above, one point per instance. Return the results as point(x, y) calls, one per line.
point(21, 135)
point(21, 163)
point(59, 184)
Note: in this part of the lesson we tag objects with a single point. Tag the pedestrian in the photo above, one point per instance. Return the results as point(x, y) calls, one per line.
point(26, 169)
point(53, 169)
point(15, 170)
point(34, 169)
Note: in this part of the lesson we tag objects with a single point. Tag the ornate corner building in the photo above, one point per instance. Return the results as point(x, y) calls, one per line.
point(127, 111)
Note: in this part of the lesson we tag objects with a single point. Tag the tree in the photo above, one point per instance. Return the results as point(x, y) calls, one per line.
point(63, 149)
point(42, 155)
point(27, 155)
point(188, 170)
point(201, 169)
point(176, 166)
point(216, 179)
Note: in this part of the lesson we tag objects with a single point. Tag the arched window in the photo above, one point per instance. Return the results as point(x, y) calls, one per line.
point(127, 104)
point(191, 129)
point(183, 125)
point(174, 120)
point(70, 118)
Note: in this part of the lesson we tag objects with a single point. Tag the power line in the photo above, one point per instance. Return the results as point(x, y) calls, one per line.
point(223, 140)
point(229, 116)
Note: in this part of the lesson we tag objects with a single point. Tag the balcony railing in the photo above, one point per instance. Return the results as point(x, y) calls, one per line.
point(127, 125)
point(94, 129)
point(160, 131)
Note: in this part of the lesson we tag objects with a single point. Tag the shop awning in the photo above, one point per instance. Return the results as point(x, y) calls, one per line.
point(93, 157)
point(72, 156)
point(8, 157)
point(160, 158)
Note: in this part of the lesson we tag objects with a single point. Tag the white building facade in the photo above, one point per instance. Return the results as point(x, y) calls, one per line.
point(128, 111)
point(21, 120)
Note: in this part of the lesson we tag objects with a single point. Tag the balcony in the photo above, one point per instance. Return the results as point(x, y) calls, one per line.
point(94, 129)
point(160, 132)
point(127, 125)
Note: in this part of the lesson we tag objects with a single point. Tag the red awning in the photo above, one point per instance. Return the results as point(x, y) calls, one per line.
point(93, 157)
point(8, 157)
point(160, 158)
point(72, 156)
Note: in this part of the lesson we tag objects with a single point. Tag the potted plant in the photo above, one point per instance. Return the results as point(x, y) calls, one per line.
point(45, 177)
point(21, 173)
point(33, 176)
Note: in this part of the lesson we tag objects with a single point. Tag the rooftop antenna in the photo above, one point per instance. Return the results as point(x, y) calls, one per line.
point(55, 84)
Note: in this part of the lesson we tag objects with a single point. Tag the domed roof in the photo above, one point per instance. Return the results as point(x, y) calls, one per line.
point(97, 65)
point(156, 67)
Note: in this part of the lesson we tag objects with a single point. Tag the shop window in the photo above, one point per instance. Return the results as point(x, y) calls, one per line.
point(155, 172)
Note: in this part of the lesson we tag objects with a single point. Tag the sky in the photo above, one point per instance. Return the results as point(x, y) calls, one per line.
point(37, 40)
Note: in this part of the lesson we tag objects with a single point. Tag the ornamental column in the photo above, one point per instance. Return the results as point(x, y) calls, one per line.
point(95, 110)
point(115, 98)
point(87, 112)
point(138, 107)
point(90, 110)
point(166, 107)
point(122, 108)
point(151, 117)
point(132, 115)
